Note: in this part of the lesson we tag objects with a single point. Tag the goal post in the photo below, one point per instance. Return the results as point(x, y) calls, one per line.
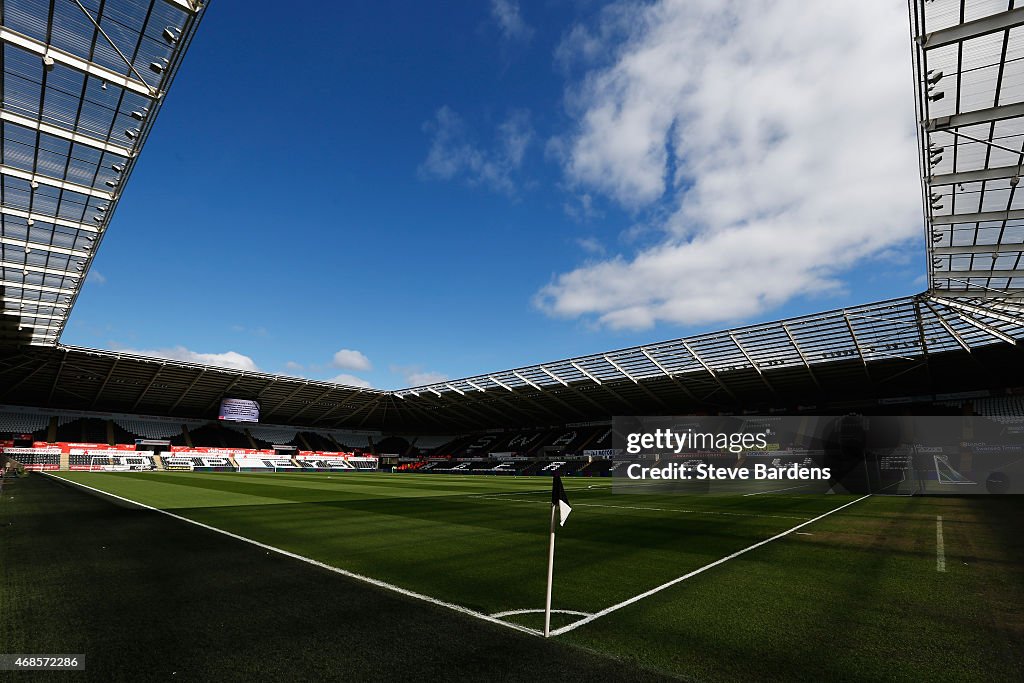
point(107, 463)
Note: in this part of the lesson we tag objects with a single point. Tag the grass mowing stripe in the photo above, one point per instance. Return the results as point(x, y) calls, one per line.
point(343, 572)
point(684, 577)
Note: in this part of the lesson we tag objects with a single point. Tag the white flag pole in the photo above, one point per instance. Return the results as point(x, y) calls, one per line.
point(551, 569)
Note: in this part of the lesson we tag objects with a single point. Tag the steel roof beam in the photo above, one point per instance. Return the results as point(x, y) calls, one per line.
point(948, 274)
point(535, 386)
point(48, 219)
point(979, 249)
point(77, 63)
point(12, 388)
point(287, 398)
point(44, 247)
point(984, 327)
point(710, 371)
point(670, 376)
point(553, 376)
point(64, 134)
point(36, 303)
point(106, 380)
point(979, 175)
point(999, 21)
point(799, 352)
point(980, 217)
point(501, 384)
point(973, 118)
point(26, 314)
point(145, 391)
point(979, 292)
point(308, 405)
point(35, 288)
point(592, 377)
point(55, 182)
point(980, 310)
point(39, 269)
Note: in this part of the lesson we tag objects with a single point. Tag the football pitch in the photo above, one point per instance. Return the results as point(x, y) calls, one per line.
point(699, 587)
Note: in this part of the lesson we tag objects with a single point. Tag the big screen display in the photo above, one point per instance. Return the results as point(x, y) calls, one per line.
point(239, 410)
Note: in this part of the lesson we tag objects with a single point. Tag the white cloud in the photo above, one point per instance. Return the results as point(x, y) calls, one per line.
point(453, 155)
point(348, 359)
point(506, 14)
point(772, 141)
point(350, 380)
point(416, 376)
point(416, 379)
point(228, 359)
point(96, 277)
point(292, 366)
point(591, 245)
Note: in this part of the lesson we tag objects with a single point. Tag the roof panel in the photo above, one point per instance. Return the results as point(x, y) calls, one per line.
point(969, 74)
point(81, 89)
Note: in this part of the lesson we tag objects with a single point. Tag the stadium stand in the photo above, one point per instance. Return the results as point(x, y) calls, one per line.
point(351, 441)
point(35, 458)
point(22, 423)
point(315, 441)
point(269, 435)
point(149, 429)
point(397, 445)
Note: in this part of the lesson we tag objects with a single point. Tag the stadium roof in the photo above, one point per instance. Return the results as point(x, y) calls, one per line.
point(969, 71)
point(71, 113)
point(903, 347)
point(83, 81)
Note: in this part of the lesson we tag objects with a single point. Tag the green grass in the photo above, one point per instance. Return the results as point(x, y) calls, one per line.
point(855, 596)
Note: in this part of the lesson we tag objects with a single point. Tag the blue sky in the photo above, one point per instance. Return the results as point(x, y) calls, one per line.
point(392, 193)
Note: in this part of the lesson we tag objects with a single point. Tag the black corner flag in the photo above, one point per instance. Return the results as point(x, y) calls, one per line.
point(560, 510)
point(560, 500)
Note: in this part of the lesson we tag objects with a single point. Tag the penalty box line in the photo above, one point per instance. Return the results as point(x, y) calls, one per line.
point(636, 598)
point(316, 563)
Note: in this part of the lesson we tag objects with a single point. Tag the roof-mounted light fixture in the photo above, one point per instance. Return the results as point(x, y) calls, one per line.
point(172, 34)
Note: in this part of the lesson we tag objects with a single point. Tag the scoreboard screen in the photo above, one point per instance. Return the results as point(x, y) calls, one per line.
point(239, 410)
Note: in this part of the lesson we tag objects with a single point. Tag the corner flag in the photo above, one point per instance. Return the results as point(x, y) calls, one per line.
point(560, 510)
point(560, 500)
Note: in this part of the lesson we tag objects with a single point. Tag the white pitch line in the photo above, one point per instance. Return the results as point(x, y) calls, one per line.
point(940, 546)
point(316, 563)
point(513, 612)
point(636, 598)
point(637, 507)
point(761, 493)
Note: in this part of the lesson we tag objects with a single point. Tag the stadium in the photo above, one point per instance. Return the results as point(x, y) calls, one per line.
point(168, 519)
